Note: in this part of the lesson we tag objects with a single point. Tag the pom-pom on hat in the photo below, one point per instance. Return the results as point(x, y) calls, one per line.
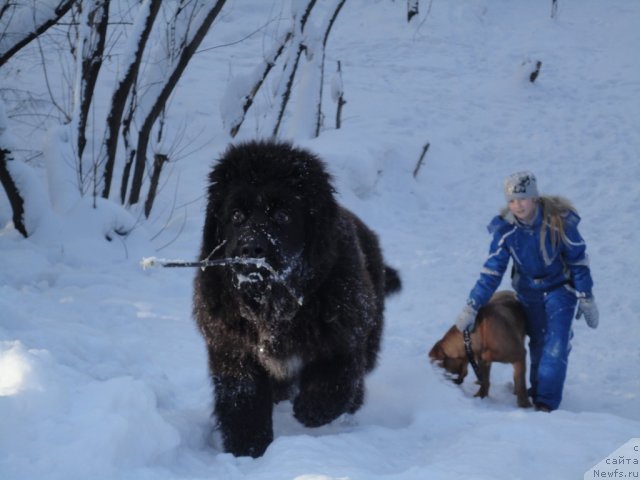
point(520, 185)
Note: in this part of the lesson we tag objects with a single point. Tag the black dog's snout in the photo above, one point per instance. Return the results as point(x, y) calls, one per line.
point(252, 248)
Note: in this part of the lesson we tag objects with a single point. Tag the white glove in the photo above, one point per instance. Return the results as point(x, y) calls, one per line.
point(588, 308)
point(466, 317)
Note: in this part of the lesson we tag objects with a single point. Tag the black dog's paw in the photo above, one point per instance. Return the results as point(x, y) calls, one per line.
point(315, 407)
point(313, 412)
point(246, 444)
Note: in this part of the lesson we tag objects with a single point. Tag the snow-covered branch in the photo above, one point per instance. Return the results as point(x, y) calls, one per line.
point(19, 25)
point(237, 102)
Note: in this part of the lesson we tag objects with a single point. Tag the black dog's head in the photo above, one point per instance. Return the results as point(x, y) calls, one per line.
point(271, 211)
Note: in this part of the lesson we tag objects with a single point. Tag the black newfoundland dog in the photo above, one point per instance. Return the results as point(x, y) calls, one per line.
point(295, 311)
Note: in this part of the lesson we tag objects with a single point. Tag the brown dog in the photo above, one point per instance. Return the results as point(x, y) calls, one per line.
point(498, 336)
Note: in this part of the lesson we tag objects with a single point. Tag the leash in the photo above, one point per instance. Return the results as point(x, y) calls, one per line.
point(466, 334)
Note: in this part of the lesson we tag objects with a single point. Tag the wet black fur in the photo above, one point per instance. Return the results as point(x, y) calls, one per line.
point(308, 329)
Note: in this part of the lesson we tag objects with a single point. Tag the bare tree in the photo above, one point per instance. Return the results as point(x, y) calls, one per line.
point(288, 54)
point(200, 15)
point(158, 162)
point(85, 30)
point(325, 38)
point(94, 16)
point(265, 69)
point(125, 84)
point(296, 49)
point(13, 194)
point(135, 110)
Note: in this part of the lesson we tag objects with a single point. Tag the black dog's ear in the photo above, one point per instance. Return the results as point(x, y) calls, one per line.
point(323, 210)
point(210, 235)
point(212, 229)
point(321, 230)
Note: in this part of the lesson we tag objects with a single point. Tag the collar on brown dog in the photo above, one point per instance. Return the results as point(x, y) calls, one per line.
point(466, 334)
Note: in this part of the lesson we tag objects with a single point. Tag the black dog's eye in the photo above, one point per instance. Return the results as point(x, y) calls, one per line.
point(237, 217)
point(282, 217)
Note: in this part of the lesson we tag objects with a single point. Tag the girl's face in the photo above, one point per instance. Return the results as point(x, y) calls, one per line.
point(523, 208)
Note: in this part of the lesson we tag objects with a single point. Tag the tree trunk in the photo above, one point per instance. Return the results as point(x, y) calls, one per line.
point(339, 6)
point(158, 162)
point(119, 98)
point(159, 104)
point(412, 9)
point(340, 100)
point(13, 194)
point(248, 98)
point(91, 57)
point(286, 95)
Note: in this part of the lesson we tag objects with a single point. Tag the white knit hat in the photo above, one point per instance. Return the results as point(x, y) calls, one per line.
point(520, 185)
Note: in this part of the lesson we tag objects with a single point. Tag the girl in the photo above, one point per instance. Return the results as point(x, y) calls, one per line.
point(550, 274)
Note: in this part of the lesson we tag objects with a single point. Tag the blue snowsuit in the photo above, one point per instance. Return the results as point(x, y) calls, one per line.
point(547, 287)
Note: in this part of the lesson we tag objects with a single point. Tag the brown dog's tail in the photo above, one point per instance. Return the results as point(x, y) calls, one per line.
point(392, 282)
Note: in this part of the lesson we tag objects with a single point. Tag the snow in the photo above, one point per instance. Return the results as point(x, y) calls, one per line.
point(103, 373)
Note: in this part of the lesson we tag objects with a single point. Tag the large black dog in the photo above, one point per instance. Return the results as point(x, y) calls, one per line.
point(296, 310)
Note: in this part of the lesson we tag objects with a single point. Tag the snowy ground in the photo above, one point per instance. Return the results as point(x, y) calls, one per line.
point(103, 374)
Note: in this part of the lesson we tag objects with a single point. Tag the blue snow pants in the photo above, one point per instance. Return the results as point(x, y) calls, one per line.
point(549, 318)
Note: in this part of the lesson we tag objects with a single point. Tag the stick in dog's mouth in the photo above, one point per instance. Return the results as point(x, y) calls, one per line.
point(149, 262)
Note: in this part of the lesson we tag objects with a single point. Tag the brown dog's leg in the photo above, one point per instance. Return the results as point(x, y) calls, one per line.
point(519, 385)
point(485, 371)
point(462, 373)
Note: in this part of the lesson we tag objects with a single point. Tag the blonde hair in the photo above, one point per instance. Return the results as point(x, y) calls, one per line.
point(554, 211)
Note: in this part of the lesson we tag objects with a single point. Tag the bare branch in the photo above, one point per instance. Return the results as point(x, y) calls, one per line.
point(40, 25)
point(421, 159)
point(58, 107)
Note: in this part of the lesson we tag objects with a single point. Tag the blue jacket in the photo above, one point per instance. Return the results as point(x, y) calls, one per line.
point(566, 264)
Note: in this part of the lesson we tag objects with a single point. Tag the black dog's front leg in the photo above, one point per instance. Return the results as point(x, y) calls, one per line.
point(328, 389)
point(243, 406)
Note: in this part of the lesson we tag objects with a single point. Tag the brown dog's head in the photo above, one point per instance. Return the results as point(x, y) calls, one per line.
point(448, 353)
